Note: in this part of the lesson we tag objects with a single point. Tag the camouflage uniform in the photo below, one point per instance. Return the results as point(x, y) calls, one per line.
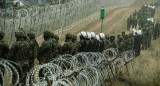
point(107, 42)
point(128, 44)
point(76, 44)
point(113, 42)
point(134, 22)
point(144, 39)
point(67, 48)
point(45, 50)
point(156, 31)
point(58, 47)
point(34, 47)
point(19, 52)
point(4, 48)
point(129, 21)
point(132, 40)
point(149, 37)
point(120, 43)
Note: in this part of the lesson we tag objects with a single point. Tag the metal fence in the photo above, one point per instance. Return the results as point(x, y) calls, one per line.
point(49, 17)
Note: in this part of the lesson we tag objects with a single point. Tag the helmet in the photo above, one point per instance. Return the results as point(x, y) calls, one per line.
point(102, 36)
point(89, 35)
point(47, 33)
point(93, 34)
point(31, 35)
point(83, 34)
point(19, 34)
point(97, 37)
point(2, 33)
point(68, 36)
point(56, 37)
point(74, 37)
point(112, 38)
point(106, 37)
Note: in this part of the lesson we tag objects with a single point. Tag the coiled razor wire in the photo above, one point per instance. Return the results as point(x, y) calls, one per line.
point(12, 70)
point(82, 69)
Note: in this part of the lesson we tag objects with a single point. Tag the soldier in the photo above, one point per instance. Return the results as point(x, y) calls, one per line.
point(75, 44)
point(144, 39)
point(156, 31)
point(83, 44)
point(134, 22)
point(149, 36)
point(98, 43)
point(120, 43)
point(102, 42)
point(33, 48)
point(67, 48)
point(132, 40)
point(127, 43)
point(129, 22)
point(88, 41)
point(19, 52)
point(113, 42)
point(4, 48)
point(58, 47)
point(45, 50)
point(107, 41)
point(137, 44)
point(135, 14)
point(93, 42)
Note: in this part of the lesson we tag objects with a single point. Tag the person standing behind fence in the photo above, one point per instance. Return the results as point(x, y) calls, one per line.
point(113, 42)
point(34, 47)
point(4, 47)
point(67, 48)
point(20, 52)
point(76, 45)
point(45, 50)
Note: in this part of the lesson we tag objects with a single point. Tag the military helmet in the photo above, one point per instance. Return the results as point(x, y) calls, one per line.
point(82, 34)
point(102, 36)
point(97, 37)
point(47, 33)
point(106, 37)
point(89, 35)
point(112, 38)
point(2, 33)
point(20, 34)
point(56, 37)
point(68, 36)
point(93, 34)
point(31, 35)
point(74, 37)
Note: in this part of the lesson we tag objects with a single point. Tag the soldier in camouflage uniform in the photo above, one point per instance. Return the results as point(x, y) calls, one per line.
point(58, 47)
point(134, 22)
point(46, 48)
point(129, 21)
point(76, 44)
point(4, 48)
point(107, 41)
point(149, 36)
point(67, 48)
point(156, 31)
point(132, 40)
point(127, 43)
point(19, 52)
point(113, 42)
point(120, 43)
point(34, 47)
point(144, 39)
